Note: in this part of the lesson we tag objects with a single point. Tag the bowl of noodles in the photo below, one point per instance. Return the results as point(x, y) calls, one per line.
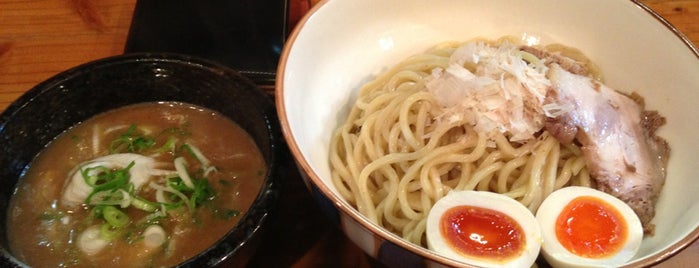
point(393, 109)
point(138, 160)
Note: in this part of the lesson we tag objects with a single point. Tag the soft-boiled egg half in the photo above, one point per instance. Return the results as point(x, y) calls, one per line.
point(584, 227)
point(483, 229)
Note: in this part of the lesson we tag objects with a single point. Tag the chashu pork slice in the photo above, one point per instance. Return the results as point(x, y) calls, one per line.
point(617, 138)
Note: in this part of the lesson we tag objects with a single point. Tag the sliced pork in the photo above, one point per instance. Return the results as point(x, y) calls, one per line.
point(566, 63)
point(617, 138)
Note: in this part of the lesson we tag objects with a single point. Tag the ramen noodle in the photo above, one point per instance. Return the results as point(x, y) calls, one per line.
point(410, 137)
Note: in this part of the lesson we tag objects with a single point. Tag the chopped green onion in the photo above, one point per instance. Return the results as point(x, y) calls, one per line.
point(115, 217)
point(202, 192)
point(93, 175)
point(114, 197)
point(132, 141)
point(169, 204)
point(108, 181)
point(169, 145)
point(108, 232)
point(144, 204)
point(154, 218)
point(178, 184)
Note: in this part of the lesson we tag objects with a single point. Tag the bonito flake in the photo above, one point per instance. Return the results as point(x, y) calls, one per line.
point(493, 88)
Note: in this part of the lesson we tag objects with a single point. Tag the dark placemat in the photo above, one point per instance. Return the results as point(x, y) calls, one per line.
point(246, 35)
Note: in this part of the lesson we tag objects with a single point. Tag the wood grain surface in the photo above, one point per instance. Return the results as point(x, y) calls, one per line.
point(40, 38)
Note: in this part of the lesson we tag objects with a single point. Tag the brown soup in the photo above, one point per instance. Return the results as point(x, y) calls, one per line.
point(146, 185)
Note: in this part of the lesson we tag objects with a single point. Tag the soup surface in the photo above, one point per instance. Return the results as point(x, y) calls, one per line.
point(146, 185)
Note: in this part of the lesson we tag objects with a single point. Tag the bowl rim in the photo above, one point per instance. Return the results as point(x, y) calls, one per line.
point(376, 230)
point(250, 225)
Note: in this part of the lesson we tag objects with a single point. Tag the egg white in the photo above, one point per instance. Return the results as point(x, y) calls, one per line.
point(558, 256)
point(487, 200)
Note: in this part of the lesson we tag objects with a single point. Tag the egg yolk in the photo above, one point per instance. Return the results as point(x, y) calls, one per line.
point(590, 227)
point(482, 233)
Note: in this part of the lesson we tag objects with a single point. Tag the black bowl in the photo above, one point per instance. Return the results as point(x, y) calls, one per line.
point(75, 95)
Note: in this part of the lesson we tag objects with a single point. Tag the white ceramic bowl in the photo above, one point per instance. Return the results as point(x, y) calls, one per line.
point(341, 44)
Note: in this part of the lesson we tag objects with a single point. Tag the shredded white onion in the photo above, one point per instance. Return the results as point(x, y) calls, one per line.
point(154, 236)
point(199, 155)
point(180, 166)
point(90, 242)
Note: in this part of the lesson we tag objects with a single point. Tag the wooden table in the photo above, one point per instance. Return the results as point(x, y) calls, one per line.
point(41, 38)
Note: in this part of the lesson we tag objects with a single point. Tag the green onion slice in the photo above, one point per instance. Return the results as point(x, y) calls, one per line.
point(108, 232)
point(115, 217)
point(143, 204)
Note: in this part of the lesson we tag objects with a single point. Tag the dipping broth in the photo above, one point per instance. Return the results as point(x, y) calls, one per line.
point(146, 185)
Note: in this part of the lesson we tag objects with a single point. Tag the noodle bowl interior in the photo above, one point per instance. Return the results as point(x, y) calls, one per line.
point(146, 185)
point(414, 133)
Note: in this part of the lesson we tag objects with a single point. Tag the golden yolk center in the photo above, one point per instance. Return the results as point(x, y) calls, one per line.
point(482, 233)
point(590, 227)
